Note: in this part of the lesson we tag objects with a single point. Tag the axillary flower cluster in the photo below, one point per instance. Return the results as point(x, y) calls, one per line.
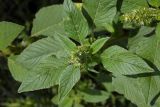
point(142, 16)
point(80, 57)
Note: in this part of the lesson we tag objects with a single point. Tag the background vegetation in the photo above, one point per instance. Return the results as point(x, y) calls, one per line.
point(23, 12)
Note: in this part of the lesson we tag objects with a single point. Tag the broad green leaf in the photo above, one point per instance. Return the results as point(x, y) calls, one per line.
point(76, 25)
point(141, 44)
point(8, 32)
point(147, 47)
point(154, 3)
point(65, 42)
point(140, 91)
point(18, 72)
point(129, 5)
point(94, 96)
point(45, 75)
point(101, 11)
point(69, 77)
point(98, 44)
point(37, 51)
point(157, 48)
point(119, 61)
point(48, 20)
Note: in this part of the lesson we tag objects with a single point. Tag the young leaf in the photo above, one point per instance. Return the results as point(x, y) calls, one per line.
point(48, 20)
point(8, 32)
point(129, 5)
point(69, 78)
point(140, 91)
point(94, 96)
point(101, 11)
point(18, 72)
point(76, 25)
point(37, 51)
point(119, 61)
point(98, 44)
point(45, 75)
point(67, 102)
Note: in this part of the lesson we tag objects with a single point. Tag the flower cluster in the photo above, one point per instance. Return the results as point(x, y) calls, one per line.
point(80, 57)
point(142, 16)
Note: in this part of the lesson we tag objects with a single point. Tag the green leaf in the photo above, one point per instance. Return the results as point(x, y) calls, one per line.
point(45, 75)
point(154, 3)
point(48, 20)
point(76, 25)
point(37, 51)
point(65, 42)
point(158, 31)
point(101, 11)
point(18, 72)
point(69, 77)
point(147, 47)
point(129, 5)
point(94, 96)
point(140, 91)
point(98, 44)
point(141, 44)
point(8, 32)
point(68, 102)
point(119, 61)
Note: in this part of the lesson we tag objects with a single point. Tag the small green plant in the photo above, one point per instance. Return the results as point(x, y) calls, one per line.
point(88, 42)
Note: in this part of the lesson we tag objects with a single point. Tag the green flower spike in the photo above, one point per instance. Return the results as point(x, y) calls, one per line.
point(141, 17)
point(80, 57)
